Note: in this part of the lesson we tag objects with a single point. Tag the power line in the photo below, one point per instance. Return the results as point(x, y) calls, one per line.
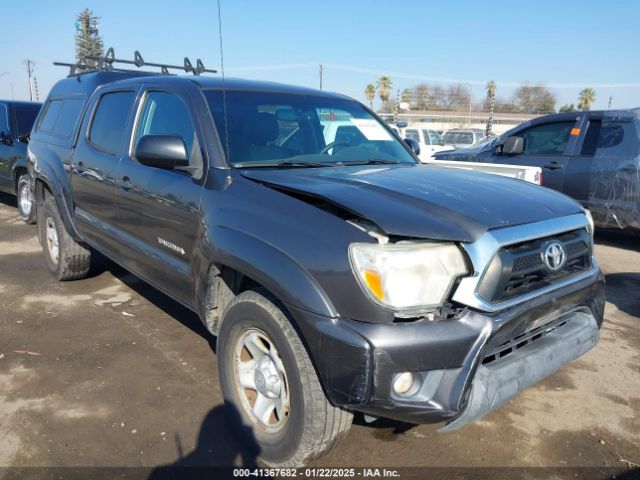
point(410, 76)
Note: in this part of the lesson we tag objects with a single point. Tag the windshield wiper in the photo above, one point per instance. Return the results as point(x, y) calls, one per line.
point(371, 161)
point(299, 164)
point(283, 163)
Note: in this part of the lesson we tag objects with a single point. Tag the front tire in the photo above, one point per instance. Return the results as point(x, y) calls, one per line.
point(26, 203)
point(269, 383)
point(66, 259)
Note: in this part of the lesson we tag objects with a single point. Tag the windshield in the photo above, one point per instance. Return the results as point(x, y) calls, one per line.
point(268, 129)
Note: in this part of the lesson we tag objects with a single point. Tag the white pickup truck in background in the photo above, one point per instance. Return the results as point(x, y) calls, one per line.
point(341, 130)
point(526, 173)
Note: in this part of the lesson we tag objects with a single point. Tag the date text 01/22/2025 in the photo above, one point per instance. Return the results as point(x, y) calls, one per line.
point(316, 472)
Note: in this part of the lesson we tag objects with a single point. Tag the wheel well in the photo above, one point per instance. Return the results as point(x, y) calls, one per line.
point(223, 285)
point(42, 191)
point(16, 176)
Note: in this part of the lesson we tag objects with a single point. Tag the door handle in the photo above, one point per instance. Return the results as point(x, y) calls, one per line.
point(552, 166)
point(126, 183)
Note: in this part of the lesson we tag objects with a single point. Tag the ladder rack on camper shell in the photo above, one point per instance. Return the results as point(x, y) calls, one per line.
point(106, 64)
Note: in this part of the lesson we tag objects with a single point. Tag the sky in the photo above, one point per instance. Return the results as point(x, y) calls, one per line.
point(565, 44)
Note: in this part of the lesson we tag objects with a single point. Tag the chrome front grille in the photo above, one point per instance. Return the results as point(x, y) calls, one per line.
point(507, 268)
point(520, 269)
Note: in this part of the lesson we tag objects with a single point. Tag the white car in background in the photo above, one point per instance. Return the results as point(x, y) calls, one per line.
point(429, 140)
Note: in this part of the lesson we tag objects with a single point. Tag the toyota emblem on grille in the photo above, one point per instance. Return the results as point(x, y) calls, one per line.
point(555, 256)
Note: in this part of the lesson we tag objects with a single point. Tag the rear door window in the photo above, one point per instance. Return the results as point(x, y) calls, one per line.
point(611, 135)
point(547, 139)
point(68, 118)
point(60, 117)
point(50, 116)
point(110, 119)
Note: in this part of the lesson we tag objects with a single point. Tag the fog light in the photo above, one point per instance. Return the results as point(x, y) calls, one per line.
point(402, 383)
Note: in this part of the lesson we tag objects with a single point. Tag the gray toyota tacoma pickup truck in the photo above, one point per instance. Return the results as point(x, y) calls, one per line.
point(337, 273)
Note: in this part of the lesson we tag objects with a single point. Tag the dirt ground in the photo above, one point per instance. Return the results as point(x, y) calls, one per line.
point(109, 372)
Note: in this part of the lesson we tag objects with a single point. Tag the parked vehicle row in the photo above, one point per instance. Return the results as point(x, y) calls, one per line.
point(591, 156)
point(16, 121)
point(338, 274)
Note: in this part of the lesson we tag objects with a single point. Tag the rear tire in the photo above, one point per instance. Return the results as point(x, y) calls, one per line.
point(302, 425)
point(65, 258)
point(26, 203)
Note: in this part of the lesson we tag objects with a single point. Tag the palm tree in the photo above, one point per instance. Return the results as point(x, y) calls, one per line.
point(384, 88)
point(585, 98)
point(491, 90)
point(491, 98)
point(370, 93)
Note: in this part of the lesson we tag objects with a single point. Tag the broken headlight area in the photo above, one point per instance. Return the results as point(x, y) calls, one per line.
point(413, 279)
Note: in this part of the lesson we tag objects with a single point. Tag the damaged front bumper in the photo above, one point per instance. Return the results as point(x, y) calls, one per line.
point(499, 381)
point(464, 367)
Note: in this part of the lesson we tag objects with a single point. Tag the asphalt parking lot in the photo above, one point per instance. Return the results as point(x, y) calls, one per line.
point(109, 372)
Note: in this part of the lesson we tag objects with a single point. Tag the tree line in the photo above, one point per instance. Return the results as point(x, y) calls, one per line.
point(527, 98)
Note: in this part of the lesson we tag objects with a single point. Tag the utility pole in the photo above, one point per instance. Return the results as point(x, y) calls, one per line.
point(610, 99)
point(320, 76)
point(35, 88)
point(30, 64)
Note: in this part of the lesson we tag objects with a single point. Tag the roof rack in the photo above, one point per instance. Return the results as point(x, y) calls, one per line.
point(106, 64)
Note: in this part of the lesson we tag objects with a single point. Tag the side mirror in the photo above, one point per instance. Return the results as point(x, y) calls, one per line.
point(512, 146)
point(162, 151)
point(413, 145)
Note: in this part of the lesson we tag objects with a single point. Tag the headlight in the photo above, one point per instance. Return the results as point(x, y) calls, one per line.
point(592, 227)
point(409, 278)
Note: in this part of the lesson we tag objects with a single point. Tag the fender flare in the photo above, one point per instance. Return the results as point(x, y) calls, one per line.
point(263, 263)
point(21, 164)
point(55, 180)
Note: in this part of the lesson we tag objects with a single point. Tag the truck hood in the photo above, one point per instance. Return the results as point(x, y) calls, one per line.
point(422, 201)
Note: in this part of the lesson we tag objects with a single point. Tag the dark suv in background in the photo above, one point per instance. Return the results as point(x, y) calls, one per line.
point(592, 156)
point(16, 120)
point(339, 275)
